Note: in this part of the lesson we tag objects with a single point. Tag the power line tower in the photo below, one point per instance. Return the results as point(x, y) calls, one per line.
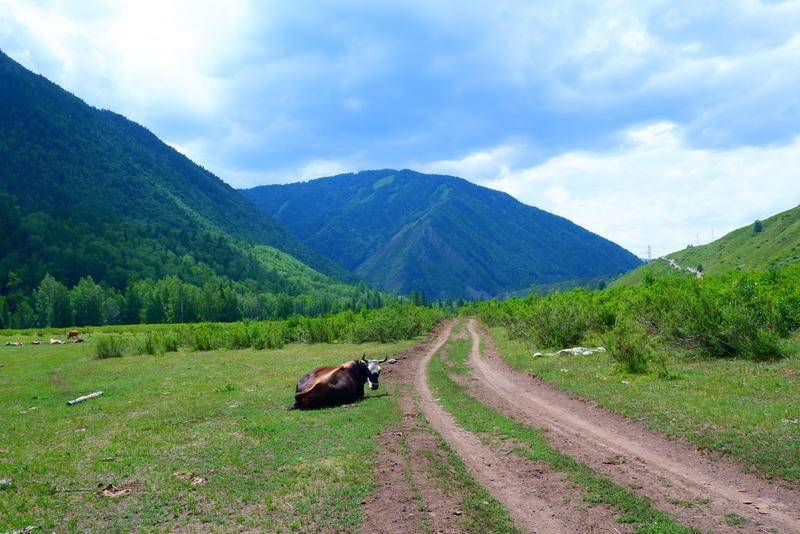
point(649, 254)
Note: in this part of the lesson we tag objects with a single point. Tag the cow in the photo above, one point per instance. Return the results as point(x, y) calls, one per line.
point(73, 334)
point(341, 384)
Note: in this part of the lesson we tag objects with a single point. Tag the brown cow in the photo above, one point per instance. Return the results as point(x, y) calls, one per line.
point(341, 384)
point(73, 334)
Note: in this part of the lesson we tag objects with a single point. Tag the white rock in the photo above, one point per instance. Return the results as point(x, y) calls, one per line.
point(535, 354)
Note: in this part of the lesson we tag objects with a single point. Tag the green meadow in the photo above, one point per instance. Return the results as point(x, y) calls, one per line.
point(184, 440)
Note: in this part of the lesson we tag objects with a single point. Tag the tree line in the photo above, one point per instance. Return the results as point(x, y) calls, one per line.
point(171, 300)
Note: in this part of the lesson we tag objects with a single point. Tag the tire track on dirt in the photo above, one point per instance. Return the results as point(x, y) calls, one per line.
point(521, 491)
point(406, 498)
point(666, 471)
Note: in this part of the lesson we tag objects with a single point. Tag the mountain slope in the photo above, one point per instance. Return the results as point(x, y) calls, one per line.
point(87, 192)
point(775, 245)
point(404, 230)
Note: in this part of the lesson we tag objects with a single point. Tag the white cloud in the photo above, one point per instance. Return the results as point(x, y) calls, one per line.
point(316, 168)
point(652, 190)
point(140, 58)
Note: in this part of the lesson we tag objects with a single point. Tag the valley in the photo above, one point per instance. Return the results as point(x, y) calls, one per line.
point(472, 361)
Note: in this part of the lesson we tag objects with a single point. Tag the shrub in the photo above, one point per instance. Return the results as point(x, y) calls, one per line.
point(558, 320)
point(628, 343)
point(202, 339)
point(149, 344)
point(169, 342)
point(110, 347)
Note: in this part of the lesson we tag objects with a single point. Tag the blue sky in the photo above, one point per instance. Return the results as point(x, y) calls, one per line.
point(651, 123)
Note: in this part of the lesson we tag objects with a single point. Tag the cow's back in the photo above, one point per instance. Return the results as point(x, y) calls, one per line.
point(325, 386)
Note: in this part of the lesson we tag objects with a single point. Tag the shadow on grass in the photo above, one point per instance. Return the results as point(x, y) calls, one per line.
point(334, 406)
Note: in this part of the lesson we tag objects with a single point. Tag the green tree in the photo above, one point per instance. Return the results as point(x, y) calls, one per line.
point(87, 302)
point(53, 306)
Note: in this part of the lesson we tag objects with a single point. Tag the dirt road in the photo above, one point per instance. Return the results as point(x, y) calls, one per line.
point(409, 500)
point(679, 480)
point(667, 471)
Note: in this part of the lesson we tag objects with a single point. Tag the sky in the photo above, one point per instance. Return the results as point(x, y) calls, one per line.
point(655, 124)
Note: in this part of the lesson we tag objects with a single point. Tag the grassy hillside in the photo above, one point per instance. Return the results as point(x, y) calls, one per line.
point(776, 244)
point(443, 235)
point(658, 267)
point(768, 244)
point(87, 193)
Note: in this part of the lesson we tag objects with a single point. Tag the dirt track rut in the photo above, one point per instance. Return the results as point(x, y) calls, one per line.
point(528, 510)
point(667, 471)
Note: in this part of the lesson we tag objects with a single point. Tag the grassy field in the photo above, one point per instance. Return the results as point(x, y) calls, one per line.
point(748, 410)
point(492, 426)
point(775, 245)
point(199, 440)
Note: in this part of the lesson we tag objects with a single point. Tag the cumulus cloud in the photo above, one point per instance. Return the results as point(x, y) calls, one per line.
point(652, 190)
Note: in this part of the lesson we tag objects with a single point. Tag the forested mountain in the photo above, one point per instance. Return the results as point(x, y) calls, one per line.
point(771, 243)
point(405, 231)
point(87, 193)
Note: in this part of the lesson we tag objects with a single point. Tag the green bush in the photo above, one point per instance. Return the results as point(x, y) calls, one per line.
point(558, 320)
point(628, 343)
point(148, 344)
point(169, 342)
point(734, 315)
point(202, 338)
point(110, 347)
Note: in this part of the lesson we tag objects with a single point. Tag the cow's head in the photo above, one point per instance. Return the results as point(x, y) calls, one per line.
point(373, 370)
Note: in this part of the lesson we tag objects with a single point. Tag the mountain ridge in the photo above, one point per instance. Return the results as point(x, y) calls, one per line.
point(419, 230)
point(89, 197)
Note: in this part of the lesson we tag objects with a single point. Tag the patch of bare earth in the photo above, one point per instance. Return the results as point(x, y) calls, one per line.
point(670, 472)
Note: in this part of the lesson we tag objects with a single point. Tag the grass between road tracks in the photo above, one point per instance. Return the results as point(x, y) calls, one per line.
point(476, 417)
point(480, 511)
point(219, 417)
point(748, 410)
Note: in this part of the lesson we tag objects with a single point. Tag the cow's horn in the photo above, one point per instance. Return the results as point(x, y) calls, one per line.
point(363, 356)
point(384, 360)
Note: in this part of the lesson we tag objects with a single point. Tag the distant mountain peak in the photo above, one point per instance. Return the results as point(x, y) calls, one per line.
point(405, 230)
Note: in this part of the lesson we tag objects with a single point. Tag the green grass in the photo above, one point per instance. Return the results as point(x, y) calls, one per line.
point(220, 415)
point(778, 244)
point(476, 417)
point(735, 520)
point(657, 268)
point(741, 408)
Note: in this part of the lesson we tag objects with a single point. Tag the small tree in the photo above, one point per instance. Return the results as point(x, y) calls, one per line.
point(758, 227)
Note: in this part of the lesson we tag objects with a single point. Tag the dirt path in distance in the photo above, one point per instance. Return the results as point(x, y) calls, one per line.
point(406, 499)
point(671, 473)
point(535, 496)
